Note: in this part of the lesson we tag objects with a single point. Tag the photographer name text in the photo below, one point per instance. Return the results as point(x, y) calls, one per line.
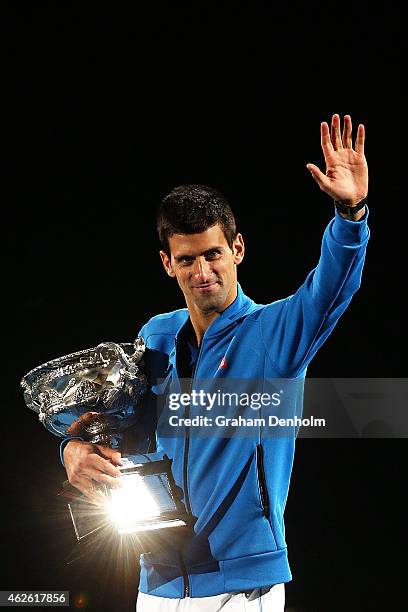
point(240, 421)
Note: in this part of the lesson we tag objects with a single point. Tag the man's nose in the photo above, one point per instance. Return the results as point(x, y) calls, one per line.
point(202, 269)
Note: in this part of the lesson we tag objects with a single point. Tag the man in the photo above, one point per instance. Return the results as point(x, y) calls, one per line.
point(236, 488)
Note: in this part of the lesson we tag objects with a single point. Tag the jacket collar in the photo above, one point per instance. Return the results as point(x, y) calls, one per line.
point(241, 306)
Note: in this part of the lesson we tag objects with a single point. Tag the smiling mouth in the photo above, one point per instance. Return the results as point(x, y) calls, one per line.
point(205, 286)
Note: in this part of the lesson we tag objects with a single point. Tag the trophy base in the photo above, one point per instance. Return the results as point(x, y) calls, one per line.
point(143, 527)
point(86, 519)
point(146, 504)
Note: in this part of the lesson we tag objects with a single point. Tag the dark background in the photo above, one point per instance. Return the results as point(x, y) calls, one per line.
point(105, 109)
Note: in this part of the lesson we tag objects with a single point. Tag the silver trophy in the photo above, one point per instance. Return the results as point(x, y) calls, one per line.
point(95, 394)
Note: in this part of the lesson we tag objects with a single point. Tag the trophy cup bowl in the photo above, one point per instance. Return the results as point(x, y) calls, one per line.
point(95, 395)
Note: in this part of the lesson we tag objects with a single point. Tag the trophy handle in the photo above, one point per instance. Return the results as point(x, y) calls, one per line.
point(129, 362)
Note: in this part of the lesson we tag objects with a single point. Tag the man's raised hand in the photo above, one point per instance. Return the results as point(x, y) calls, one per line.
point(346, 177)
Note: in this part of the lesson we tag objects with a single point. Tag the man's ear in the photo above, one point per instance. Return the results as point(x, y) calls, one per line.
point(238, 248)
point(167, 264)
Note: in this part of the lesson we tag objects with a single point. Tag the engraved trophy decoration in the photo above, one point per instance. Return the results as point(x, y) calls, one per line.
point(95, 394)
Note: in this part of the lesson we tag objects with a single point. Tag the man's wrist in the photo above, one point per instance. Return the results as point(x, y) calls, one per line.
point(359, 215)
point(351, 210)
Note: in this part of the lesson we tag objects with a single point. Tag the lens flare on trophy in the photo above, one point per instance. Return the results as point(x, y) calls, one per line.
point(132, 503)
point(146, 498)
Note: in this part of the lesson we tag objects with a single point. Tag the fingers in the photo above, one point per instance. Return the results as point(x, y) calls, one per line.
point(360, 139)
point(347, 132)
point(99, 464)
point(320, 178)
point(97, 469)
point(103, 478)
point(332, 140)
point(86, 481)
point(335, 133)
point(109, 453)
point(325, 140)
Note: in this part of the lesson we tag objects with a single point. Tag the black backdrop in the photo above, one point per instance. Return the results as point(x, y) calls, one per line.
point(106, 109)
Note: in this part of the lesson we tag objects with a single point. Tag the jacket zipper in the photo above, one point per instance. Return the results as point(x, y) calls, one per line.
point(262, 480)
point(186, 583)
point(185, 468)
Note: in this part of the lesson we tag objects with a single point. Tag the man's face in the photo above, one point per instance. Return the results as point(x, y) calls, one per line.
point(205, 268)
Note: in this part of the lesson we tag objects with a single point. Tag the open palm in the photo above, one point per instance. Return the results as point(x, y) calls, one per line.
point(346, 177)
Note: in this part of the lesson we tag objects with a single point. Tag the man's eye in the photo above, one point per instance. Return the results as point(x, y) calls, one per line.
point(213, 254)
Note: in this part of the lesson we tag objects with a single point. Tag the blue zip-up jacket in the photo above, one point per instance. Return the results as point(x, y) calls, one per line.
point(237, 487)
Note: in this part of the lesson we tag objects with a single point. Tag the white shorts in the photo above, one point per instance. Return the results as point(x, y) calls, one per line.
point(258, 600)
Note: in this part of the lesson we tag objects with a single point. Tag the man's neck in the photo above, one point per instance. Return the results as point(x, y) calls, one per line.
point(200, 323)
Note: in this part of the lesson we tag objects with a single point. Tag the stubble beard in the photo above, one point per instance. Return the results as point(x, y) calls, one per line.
point(208, 304)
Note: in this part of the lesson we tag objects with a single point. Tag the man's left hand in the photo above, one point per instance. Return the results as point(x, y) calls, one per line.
point(346, 177)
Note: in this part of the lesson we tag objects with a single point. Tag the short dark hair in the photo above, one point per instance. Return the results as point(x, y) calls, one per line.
point(192, 209)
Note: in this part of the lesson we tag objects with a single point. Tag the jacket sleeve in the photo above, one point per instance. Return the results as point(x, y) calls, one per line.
point(295, 328)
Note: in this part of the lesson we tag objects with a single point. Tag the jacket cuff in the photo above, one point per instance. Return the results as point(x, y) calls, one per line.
point(347, 232)
point(64, 443)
